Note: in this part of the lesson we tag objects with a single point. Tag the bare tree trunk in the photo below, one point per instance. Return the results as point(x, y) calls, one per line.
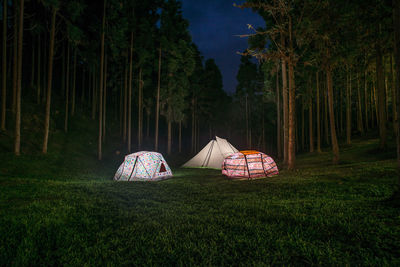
point(121, 109)
point(94, 93)
point(169, 136)
point(15, 61)
point(318, 115)
point(348, 107)
point(359, 108)
point(148, 124)
point(130, 95)
point(140, 110)
point(340, 127)
point(44, 69)
point(4, 84)
point(101, 83)
point(278, 112)
point(193, 125)
point(373, 108)
point(366, 100)
point(394, 97)
point(67, 90)
point(386, 97)
point(125, 101)
point(381, 96)
point(285, 108)
point(376, 103)
point(326, 115)
point(302, 124)
point(180, 137)
point(396, 23)
point(335, 146)
point(247, 124)
point(292, 111)
point(310, 118)
point(17, 136)
point(83, 86)
point(49, 81)
point(105, 98)
point(39, 84)
point(32, 64)
point(73, 85)
point(158, 101)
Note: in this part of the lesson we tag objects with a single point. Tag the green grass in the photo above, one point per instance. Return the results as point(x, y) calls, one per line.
point(64, 209)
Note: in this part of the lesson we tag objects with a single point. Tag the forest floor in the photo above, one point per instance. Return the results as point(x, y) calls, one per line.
point(65, 209)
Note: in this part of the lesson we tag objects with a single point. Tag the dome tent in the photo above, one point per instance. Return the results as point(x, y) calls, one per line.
point(143, 166)
point(249, 164)
point(212, 155)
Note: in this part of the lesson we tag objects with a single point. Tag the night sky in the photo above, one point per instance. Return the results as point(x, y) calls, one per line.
point(213, 26)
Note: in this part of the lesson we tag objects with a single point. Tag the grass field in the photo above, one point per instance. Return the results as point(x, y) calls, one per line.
point(64, 209)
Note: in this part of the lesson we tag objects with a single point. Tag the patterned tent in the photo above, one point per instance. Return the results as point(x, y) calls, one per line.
point(249, 164)
point(143, 166)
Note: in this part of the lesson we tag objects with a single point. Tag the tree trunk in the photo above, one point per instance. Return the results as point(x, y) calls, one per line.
point(318, 116)
point(101, 83)
point(394, 97)
point(348, 108)
point(67, 91)
point(381, 96)
point(302, 124)
point(148, 125)
point(372, 101)
point(105, 98)
point(45, 68)
point(285, 108)
point(32, 64)
point(4, 83)
point(83, 87)
point(366, 100)
point(292, 111)
point(49, 81)
point(386, 97)
point(94, 93)
point(192, 149)
point(247, 123)
point(38, 82)
point(158, 101)
point(396, 23)
point(180, 137)
point(326, 116)
point(121, 106)
point(359, 108)
point(278, 112)
point(130, 95)
point(125, 101)
point(15, 61)
point(17, 136)
point(310, 118)
point(340, 126)
point(169, 137)
point(140, 110)
point(376, 103)
point(73, 85)
point(335, 146)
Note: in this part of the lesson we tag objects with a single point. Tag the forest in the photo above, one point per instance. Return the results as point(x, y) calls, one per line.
point(85, 83)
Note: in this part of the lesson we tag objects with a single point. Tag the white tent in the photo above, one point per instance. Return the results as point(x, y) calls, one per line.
point(212, 155)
